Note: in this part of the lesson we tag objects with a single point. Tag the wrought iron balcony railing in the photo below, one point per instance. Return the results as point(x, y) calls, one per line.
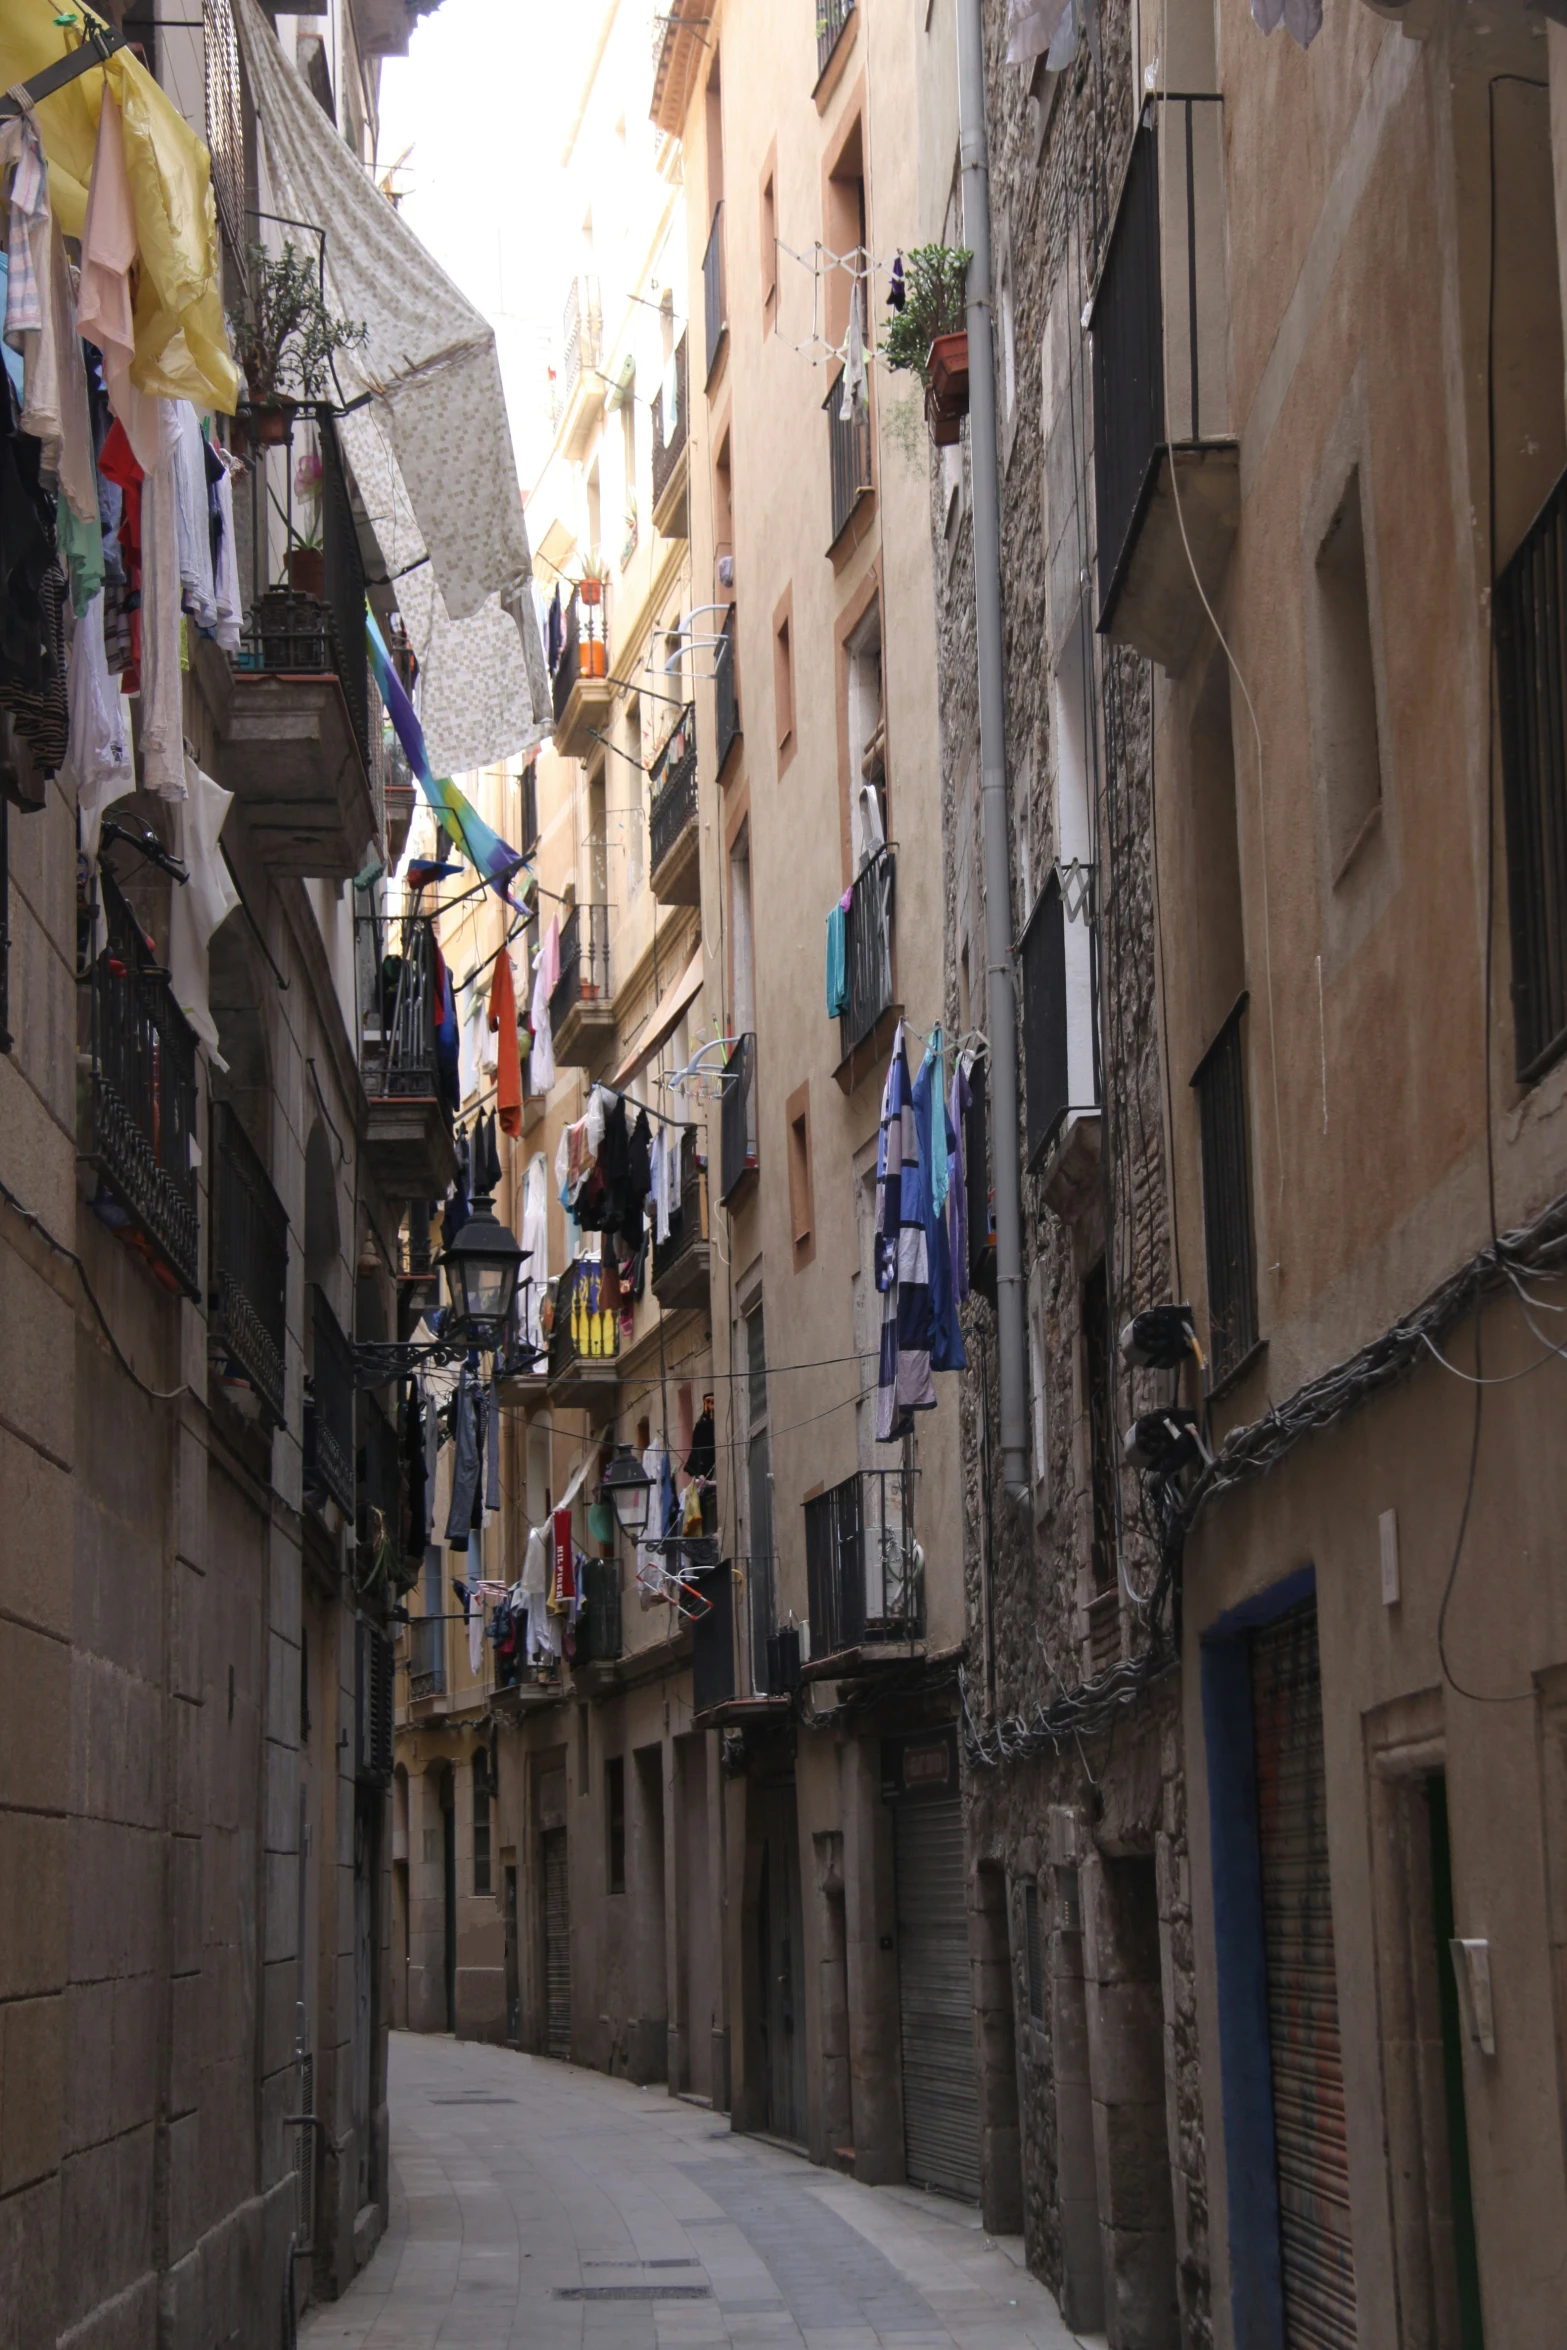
point(680, 1262)
point(584, 651)
point(584, 962)
point(250, 1264)
point(738, 1117)
point(673, 778)
point(832, 18)
point(585, 1329)
point(864, 1569)
point(868, 951)
point(143, 1098)
point(581, 335)
point(400, 990)
point(670, 424)
point(848, 454)
point(329, 1409)
point(714, 290)
point(726, 694)
point(313, 624)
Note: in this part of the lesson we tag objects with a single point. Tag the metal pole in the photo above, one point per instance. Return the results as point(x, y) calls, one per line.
point(1000, 1002)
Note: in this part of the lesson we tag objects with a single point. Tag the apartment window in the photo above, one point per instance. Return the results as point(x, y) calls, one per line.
point(769, 249)
point(615, 1824)
point(1226, 1198)
point(866, 725)
point(481, 1821)
point(1351, 763)
point(783, 681)
point(742, 969)
point(1032, 1952)
point(845, 236)
point(723, 513)
point(801, 1201)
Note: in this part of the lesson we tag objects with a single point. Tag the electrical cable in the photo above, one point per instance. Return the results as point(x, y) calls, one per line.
point(31, 1218)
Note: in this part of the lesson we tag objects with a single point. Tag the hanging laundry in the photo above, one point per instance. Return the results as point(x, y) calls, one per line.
point(897, 292)
point(447, 1053)
point(853, 358)
point(192, 518)
point(837, 963)
point(554, 632)
point(466, 1509)
point(162, 683)
point(931, 1140)
point(99, 768)
point(541, 1059)
point(508, 1063)
point(563, 1578)
point(41, 323)
point(534, 1239)
point(703, 1456)
point(226, 586)
point(205, 901)
point(903, 1380)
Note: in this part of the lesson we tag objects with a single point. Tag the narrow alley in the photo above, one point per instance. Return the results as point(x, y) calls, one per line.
point(536, 2202)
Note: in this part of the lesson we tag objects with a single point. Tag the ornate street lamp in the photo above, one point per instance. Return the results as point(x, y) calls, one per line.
point(481, 1267)
point(627, 1484)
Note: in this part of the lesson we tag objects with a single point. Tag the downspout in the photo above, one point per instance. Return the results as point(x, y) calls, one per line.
point(1001, 1009)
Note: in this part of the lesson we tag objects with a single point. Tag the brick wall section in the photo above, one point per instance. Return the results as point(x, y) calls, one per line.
point(1119, 1796)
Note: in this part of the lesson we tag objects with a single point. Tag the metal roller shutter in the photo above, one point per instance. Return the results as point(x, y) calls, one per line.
point(1316, 2256)
point(940, 2079)
point(557, 1946)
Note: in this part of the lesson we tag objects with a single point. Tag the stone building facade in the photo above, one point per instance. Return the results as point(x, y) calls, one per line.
point(1075, 1786)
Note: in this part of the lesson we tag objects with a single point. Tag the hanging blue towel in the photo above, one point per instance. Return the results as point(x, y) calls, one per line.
point(837, 963)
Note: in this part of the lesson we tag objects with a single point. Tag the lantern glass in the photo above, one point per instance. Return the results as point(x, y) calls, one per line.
point(628, 1485)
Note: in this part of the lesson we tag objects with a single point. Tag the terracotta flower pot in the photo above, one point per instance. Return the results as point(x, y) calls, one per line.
point(307, 570)
point(946, 372)
point(592, 591)
point(946, 426)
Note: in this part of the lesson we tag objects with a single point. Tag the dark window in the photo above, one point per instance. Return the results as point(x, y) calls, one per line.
point(1226, 1199)
point(304, 1688)
point(1353, 767)
point(615, 1823)
point(1104, 1614)
point(481, 1821)
point(1045, 1073)
point(1036, 1972)
point(976, 1177)
point(1531, 652)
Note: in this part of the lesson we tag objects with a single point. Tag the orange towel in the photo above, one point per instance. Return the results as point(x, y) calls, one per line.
point(508, 1067)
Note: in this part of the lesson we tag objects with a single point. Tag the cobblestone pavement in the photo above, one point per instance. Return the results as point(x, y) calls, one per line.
point(536, 2204)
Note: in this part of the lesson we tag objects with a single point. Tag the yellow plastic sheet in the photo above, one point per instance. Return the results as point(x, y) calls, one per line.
point(182, 348)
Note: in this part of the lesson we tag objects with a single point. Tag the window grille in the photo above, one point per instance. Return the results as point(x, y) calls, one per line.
point(1531, 663)
point(225, 120)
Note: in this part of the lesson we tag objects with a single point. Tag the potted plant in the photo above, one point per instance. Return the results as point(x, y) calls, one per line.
point(285, 339)
point(928, 334)
point(594, 573)
point(306, 555)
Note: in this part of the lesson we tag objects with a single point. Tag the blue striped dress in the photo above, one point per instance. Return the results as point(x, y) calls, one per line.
point(903, 1380)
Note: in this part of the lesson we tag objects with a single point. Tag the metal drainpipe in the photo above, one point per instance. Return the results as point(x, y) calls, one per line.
point(1000, 1000)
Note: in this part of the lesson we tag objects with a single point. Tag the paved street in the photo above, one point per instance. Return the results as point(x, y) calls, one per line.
point(533, 2203)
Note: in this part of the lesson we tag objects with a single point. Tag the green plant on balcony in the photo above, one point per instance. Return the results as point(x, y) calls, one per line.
point(286, 337)
point(935, 304)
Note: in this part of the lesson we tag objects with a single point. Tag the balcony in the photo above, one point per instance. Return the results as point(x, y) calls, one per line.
point(1531, 669)
point(864, 1572)
point(848, 456)
point(832, 22)
point(726, 695)
point(1164, 450)
point(584, 1341)
point(138, 1106)
point(870, 1016)
point(1056, 970)
point(715, 294)
point(583, 693)
point(671, 438)
point(295, 716)
point(737, 1172)
point(581, 339)
point(427, 1657)
point(679, 51)
point(680, 1263)
point(408, 1135)
point(675, 856)
point(329, 1411)
point(582, 1017)
point(246, 1328)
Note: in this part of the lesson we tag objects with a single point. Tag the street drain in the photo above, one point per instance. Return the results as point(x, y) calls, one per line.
point(473, 2097)
point(641, 2264)
point(633, 2293)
